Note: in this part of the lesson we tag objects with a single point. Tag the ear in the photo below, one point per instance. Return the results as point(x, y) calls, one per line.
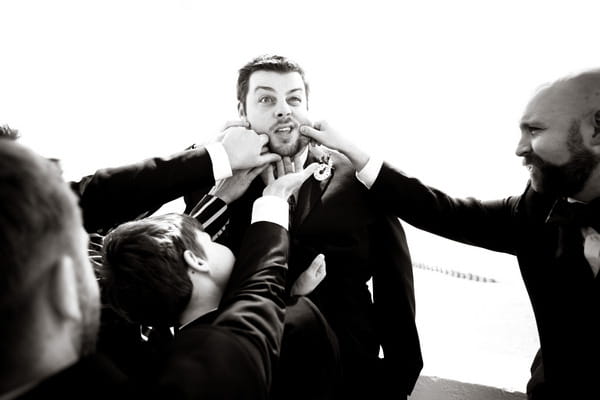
point(241, 110)
point(196, 263)
point(596, 126)
point(64, 287)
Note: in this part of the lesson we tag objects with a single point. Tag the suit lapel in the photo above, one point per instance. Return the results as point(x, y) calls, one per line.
point(310, 192)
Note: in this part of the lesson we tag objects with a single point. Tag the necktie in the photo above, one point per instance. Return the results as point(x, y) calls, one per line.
point(578, 223)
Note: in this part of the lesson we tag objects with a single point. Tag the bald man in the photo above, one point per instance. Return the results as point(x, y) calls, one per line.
point(552, 228)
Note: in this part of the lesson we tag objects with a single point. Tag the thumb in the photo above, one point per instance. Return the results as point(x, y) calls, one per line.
point(264, 139)
point(311, 132)
point(587, 231)
point(308, 171)
point(254, 172)
point(268, 158)
point(322, 270)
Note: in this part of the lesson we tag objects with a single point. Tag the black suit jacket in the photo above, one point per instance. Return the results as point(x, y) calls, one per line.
point(228, 354)
point(93, 377)
point(114, 195)
point(563, 291)
point(336, 217)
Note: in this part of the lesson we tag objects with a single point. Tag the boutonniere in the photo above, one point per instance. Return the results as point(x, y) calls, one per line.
point(325, 167)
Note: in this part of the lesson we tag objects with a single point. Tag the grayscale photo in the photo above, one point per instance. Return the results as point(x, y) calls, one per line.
point(280, 200)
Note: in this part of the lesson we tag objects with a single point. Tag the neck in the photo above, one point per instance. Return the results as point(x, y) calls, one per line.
point(44, 356)
point(199, 306)
point(591, 190)
point(301, 155)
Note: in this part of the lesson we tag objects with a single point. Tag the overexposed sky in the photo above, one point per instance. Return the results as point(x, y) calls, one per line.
point(435, 87)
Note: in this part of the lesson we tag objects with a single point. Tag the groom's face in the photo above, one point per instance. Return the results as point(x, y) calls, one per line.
point(276, 105)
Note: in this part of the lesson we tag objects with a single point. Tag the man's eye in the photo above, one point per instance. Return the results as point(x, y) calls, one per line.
point(534, 130)
point(266, 99)
point(295, 101)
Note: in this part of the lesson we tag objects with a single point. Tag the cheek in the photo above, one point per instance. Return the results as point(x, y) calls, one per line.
point(301, 114)
point(228, 260)
point(551, 151)
point(259, 121)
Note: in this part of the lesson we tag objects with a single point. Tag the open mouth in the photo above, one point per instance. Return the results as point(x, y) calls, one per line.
point(283, 130)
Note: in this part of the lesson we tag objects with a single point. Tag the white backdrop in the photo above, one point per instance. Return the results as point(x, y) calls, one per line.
point(436, 87)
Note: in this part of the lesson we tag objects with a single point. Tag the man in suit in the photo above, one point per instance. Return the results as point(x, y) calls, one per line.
point(552, 227)
point(166, 271)
point(50, 305)
point(334, 216)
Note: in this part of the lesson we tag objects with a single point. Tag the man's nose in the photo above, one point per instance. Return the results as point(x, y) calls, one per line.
point(524, 145)
point(283, 110)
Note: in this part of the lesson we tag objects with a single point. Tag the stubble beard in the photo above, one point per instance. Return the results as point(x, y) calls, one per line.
point(290, 149)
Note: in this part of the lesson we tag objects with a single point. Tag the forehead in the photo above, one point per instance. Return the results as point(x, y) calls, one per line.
point(283, 82)
point(559, 102)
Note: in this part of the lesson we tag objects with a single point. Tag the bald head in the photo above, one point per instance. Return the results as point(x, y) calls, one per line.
point(575, 96)
point(560, 136)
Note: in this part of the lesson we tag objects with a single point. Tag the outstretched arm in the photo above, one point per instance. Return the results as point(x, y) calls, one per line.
point(115, 195)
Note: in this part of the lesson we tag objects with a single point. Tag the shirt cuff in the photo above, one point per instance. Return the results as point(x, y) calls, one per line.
point(271, 209)
point(220, 160)
point(370, 172)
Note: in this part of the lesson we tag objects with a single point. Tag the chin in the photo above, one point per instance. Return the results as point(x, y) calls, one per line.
point(285, 151)
point(290, 149)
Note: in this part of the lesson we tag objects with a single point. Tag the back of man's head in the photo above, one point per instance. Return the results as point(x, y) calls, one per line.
point(6, 132)
point(144, 275)
point(39, 218)
point(265, 63)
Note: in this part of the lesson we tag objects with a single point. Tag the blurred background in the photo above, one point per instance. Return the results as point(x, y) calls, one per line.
point(437, 88)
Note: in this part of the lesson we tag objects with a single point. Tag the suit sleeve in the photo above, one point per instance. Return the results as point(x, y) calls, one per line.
point(489, 224)
point(254, 301)
point(115, 195)
point(233, 357)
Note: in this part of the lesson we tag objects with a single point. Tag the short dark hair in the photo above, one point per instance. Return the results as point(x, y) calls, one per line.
point(144, 276)
point(6, 132)
point(266, 62)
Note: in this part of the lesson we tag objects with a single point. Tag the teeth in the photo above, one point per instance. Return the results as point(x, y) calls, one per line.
point(284, 130)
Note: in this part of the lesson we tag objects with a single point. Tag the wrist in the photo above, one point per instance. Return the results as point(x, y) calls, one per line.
point(272, 190)
point(224, 196)
point(357, 157)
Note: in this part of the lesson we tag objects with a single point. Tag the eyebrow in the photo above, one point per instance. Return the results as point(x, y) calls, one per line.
point(270, 89)
point(528, 123)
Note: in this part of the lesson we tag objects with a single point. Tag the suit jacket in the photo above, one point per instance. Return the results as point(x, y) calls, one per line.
point(563, 291)
point(336, 217)
point(228, 354)
point(114, 195)
point(309, 353)
point(92, 377)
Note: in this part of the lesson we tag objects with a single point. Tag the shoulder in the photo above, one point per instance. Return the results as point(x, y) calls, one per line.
point(226, 362)
point(211, 342)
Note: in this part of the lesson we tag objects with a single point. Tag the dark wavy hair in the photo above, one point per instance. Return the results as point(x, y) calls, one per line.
point(266, 62)
point(144, 277)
